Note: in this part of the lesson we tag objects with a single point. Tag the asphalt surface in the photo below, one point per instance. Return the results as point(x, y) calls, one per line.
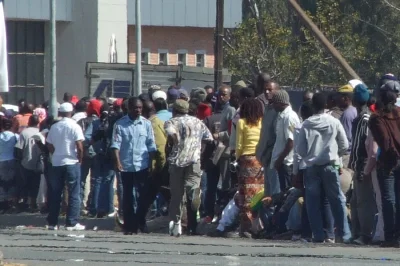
point(37, 246)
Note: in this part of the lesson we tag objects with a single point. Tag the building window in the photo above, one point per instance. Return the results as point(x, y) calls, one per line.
point(145, 58)
point(200, 60)
point(25, 43)
point(182, 57)
point(163, 57)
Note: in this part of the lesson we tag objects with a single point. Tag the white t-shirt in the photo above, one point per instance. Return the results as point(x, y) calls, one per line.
point(63, 135)
point(286, 123)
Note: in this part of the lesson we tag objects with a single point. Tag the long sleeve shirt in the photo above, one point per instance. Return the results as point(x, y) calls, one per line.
point(372, 150)
point(247, 137)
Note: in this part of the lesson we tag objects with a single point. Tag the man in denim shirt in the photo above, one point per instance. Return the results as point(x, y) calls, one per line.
point(133, 148)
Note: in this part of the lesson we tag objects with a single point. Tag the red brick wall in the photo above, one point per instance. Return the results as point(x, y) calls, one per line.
point(173, 39)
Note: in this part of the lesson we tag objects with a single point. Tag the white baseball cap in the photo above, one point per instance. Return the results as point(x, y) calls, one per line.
point(66, 108)
point(159, 94)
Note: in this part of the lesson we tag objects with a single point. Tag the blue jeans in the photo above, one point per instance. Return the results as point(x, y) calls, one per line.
point(390, 193)
point(271, 181)
point(102, 181)
point(58, 176)
point(319, 179)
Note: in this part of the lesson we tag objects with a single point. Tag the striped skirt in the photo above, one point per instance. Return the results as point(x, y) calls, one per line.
point(250, 182)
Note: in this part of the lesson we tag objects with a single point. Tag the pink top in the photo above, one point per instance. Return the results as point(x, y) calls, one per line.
point(372, 150)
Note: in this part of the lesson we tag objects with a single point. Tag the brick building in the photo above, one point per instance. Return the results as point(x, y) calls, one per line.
point(173, 32)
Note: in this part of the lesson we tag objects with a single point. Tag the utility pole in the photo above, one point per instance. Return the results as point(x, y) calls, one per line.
point(53, 56)
point(138, 71)
point(218, 48)
point(323, 40)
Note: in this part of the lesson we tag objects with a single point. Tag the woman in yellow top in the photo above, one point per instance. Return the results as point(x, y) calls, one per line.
point(250, 175)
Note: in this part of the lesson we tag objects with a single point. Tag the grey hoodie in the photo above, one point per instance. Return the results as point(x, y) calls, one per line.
point(322, 140)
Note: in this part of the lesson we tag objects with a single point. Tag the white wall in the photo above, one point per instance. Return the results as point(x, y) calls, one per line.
point(76, 45)
point(38, 9)
point(185, 13)
point(112, 19)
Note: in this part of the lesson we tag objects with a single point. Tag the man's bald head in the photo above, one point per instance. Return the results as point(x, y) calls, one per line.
point(271, 88)
point(148, 109)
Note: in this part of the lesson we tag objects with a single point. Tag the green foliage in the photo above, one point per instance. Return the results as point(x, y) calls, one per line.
point(366, 33)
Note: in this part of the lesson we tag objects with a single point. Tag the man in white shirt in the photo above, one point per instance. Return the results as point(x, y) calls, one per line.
point(65, 145)
point(282, 154)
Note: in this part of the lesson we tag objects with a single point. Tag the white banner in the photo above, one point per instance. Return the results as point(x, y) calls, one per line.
point(3, 51)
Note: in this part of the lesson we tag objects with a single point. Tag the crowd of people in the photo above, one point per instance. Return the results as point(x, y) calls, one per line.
point(239, 156)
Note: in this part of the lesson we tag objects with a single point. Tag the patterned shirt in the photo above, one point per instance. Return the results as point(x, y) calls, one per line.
point(189, 131)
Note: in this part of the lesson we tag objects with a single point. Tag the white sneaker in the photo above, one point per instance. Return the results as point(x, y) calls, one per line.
point(111, 214)
point(52, 227)
point(175, 229)
point(77, 227)
point(330, 241)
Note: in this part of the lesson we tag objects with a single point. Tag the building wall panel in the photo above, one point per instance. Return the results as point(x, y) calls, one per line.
point(38, 9)
point(185, 13)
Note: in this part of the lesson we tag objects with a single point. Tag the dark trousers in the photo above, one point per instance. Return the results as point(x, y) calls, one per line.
point(285, 177)
point(31, 185)
point(212, 173)
point(134, 200)
point(59, 175)
point(86, 166)
point(390, 190)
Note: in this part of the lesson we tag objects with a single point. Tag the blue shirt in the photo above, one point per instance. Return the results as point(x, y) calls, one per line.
point(164, 115)
point(7, 142)
point(135, 140)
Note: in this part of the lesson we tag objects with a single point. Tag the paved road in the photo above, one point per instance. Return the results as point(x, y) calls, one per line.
point(37, 246)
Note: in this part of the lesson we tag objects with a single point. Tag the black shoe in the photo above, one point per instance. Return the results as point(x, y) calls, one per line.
point(144, 229)
point(390, 244)
point(92, 215)
point(128, 233)
point(216, 233)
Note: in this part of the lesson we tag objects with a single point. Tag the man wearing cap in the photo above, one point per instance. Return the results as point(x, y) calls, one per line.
point(344, 101)
point(133, 148)
point(185, 135)
point(64, 142)
point(159, 94)
point(183, 94)
point(282, 153)
point(172, 96)
point(362, 201)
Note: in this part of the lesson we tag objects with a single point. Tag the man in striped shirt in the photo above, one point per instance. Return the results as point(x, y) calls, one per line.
point(362, 201)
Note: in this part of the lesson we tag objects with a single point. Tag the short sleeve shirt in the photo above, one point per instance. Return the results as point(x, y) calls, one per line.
point(30, 150)
point(63, 135)
point(285, 125)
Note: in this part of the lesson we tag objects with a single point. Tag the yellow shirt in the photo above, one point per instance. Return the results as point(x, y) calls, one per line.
point(246, 138)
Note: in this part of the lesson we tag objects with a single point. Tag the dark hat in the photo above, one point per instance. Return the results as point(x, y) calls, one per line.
point(181, 106)
point(173, 94)
point(391, 85)
point(361, 94)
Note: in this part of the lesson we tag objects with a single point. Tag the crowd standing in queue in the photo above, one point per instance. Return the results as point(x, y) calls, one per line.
point(238, 156)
